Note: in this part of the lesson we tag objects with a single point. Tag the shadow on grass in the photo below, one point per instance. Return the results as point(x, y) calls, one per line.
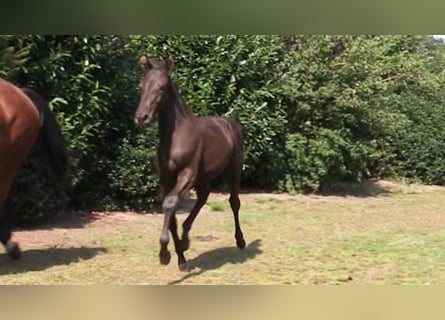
point(63, 219)
point(41, 259)
point(368, 188)
point(215, 259)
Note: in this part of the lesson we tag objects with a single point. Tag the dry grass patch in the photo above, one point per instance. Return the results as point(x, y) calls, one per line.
point(387, 233)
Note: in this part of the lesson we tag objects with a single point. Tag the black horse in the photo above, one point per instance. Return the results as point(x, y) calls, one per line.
point(192, 152)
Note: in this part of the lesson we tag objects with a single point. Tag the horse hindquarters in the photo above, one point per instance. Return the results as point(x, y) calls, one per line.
point(20, 122)
point(11, 163)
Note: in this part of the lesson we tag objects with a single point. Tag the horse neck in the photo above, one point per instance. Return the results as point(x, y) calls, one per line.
point(172, 114)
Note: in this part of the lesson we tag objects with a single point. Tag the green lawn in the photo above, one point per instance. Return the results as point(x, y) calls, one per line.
point(385, 233)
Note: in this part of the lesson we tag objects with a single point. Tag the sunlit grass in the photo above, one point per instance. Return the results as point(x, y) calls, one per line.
point(394, 237)
point(216, 205)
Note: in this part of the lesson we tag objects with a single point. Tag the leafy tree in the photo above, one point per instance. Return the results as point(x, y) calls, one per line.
point(342, 90)
point(316, 110)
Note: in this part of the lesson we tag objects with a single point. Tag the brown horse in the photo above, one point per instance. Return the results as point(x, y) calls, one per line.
point(24, 118)
point(192, 152)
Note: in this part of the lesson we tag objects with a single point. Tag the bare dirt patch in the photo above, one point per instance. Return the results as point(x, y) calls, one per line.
point(73, 224)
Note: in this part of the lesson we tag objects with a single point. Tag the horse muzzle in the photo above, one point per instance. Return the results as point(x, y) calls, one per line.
point(142, 121)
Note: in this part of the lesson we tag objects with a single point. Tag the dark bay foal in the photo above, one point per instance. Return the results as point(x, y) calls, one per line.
point(192, 151)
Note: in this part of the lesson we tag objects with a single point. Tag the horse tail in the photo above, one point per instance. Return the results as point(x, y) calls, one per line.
point(51, 138)
point(237, 127)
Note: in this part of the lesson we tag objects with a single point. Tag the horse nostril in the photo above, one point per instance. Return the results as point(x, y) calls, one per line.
point(141, 119)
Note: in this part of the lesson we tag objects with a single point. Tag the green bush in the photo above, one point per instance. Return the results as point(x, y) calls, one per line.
point(314, 162)
point(342, 95)
point(133, 180)
point(39, 194)
point(316, 110)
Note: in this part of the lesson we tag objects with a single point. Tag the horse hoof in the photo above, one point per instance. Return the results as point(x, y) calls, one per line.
point(182, 263)
point(241, 244)
point(13, 250)
point(182, 267)
point(164, 257)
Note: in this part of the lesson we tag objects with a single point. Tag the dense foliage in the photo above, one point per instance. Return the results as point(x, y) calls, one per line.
point(317, 110)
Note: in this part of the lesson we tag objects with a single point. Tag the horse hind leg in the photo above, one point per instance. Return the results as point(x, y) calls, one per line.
point(177, 242)
point(6, 213)
point(202, 195)
point(233, 182)
point(235, 204)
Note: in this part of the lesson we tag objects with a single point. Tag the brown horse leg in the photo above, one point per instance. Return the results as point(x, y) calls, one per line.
point(235, 204)
point(233, 182)
point(169, 205)
point(6, 218)
point(203, 194)
point(5, 236)
point(177, 241)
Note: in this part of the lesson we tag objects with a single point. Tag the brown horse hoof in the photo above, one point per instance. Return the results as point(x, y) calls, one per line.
point(164, 257)
point(183, 266)
point(241, 244)
point(182, 263)
point(13, 250)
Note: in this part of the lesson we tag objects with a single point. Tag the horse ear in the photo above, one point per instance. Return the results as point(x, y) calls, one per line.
point(169, 64)
point(145, 63)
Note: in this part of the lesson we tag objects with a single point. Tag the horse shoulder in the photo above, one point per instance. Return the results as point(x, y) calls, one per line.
point(185, 150)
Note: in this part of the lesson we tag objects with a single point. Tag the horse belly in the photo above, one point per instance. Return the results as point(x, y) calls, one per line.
point(215, 161)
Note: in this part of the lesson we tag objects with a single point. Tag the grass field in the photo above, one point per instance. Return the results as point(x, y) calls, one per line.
point(376, 233)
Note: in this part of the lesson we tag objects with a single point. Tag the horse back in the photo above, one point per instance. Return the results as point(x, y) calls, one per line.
point(222, 144)
point(224, 131)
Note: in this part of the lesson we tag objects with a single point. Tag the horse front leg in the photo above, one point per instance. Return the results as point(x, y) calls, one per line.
point(183, 184)
point(169, 206)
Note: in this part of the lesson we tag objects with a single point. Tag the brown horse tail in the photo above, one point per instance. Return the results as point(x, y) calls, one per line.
point(51, 138)
point(237, 125)
point(237, 128)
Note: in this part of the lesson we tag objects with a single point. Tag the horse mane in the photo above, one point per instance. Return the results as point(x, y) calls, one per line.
point(180, 99)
